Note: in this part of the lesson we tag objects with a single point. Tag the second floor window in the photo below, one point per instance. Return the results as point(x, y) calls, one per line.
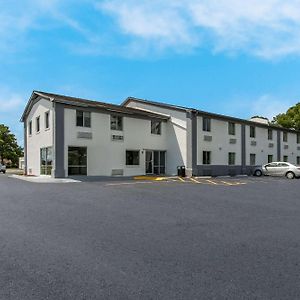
point(116, 123)
point(156, 127)
point(231, 128)
point(83, 118)
point(285, 136)
point(252, 131)
point(30, 128)
point(37, 124)
point(47, 120)
point(206, 124)
point(298, 138)
point(270, 134)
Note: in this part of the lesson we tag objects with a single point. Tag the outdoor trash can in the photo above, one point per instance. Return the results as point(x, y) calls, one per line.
point(181, 171)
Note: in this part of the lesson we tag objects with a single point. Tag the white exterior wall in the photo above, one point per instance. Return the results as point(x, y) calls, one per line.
point(103, 154)
point(220, 145)
point(292, 152)
point(176, 133)
point(262, 149)
point(43, 139)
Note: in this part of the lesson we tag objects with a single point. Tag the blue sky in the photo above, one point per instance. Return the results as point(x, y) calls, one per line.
point(234, 57)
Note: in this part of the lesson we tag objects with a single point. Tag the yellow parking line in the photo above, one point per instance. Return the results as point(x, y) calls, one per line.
point(196, 181)
point(227, 183)
point(212, 182)
point(181, 179)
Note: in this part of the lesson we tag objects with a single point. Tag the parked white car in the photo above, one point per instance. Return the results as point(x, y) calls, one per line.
point(280, 168)
point(2, 169)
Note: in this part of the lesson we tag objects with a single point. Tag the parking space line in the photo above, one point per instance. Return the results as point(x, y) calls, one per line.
point(128, 183)
point(181, 179)
point(227, 183)
point(212, 182)
point(196, 181)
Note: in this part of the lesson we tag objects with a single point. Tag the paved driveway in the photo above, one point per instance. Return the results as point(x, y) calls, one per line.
point(162, 240)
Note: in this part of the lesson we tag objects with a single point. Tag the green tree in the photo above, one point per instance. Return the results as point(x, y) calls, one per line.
point(9, 148)
point(290, 119)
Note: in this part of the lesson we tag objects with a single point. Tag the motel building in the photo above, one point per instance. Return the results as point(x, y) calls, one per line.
point(67, 136)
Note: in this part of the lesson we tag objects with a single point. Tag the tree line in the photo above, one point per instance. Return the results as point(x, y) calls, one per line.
point(10, 151)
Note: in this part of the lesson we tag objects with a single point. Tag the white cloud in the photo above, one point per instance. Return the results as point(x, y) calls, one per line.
point(269, 106)
point(269, 28)
point(266, 105)
point(11, 101)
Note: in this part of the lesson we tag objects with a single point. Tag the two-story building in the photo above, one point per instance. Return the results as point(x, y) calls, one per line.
point(67, 136)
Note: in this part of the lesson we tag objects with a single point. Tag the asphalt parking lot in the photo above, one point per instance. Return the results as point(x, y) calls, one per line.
point(218, 238)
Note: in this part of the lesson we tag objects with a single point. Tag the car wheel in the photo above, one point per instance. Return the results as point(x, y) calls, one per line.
point(290, 175)
point(258, 173)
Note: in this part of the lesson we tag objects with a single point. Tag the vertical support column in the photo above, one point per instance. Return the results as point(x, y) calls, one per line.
point(191, 131)
point(278, 145)
point(243, 149)
point(25, 146)
point(59, 141)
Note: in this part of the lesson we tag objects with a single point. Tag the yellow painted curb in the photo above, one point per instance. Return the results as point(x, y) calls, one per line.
point(149, 178)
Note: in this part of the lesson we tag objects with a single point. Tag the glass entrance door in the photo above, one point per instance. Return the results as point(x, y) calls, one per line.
point(155, 162)
point(46, 160)
point(77, 161)
point(149, 162)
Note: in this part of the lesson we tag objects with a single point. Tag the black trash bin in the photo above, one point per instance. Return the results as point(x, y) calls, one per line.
point(181, 171)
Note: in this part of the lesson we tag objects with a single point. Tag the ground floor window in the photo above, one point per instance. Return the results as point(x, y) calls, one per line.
point(270, 158)
point(298, 160)
point(77, 161)
point(252, 159)
point(285, 158)
point(231, 158)
point(46, 160)
point(132, 157)
point(206, 158)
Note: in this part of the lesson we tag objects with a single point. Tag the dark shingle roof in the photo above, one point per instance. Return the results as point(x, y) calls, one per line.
point(74, 101)
point(208, 114)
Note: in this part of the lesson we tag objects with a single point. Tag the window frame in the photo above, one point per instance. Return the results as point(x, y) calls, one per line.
point(270, 156)
point(38, 124)
point(251, 157)
point(30, 128)
point(206, 157)
point(230, 156)
point(153, 128)
point(84, 118)
point(206, 124)
point(270, 134)
point(252, 131)
point(117, 118)
point(139, 159)
point(47, 120)
point(231, 128)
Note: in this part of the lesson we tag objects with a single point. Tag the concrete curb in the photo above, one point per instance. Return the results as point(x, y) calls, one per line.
point(42, 179)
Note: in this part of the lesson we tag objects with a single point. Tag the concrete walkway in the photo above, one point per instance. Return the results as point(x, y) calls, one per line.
point(45, 179)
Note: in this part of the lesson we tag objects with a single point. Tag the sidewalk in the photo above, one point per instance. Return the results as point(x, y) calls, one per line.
point(44, 179)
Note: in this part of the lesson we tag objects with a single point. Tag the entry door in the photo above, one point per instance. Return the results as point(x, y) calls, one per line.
point(149, 162)
point(77, 161)
point(155, 162)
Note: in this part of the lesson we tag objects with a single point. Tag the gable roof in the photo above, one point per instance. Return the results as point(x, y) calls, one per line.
point(86, 103)
point(208, 114)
